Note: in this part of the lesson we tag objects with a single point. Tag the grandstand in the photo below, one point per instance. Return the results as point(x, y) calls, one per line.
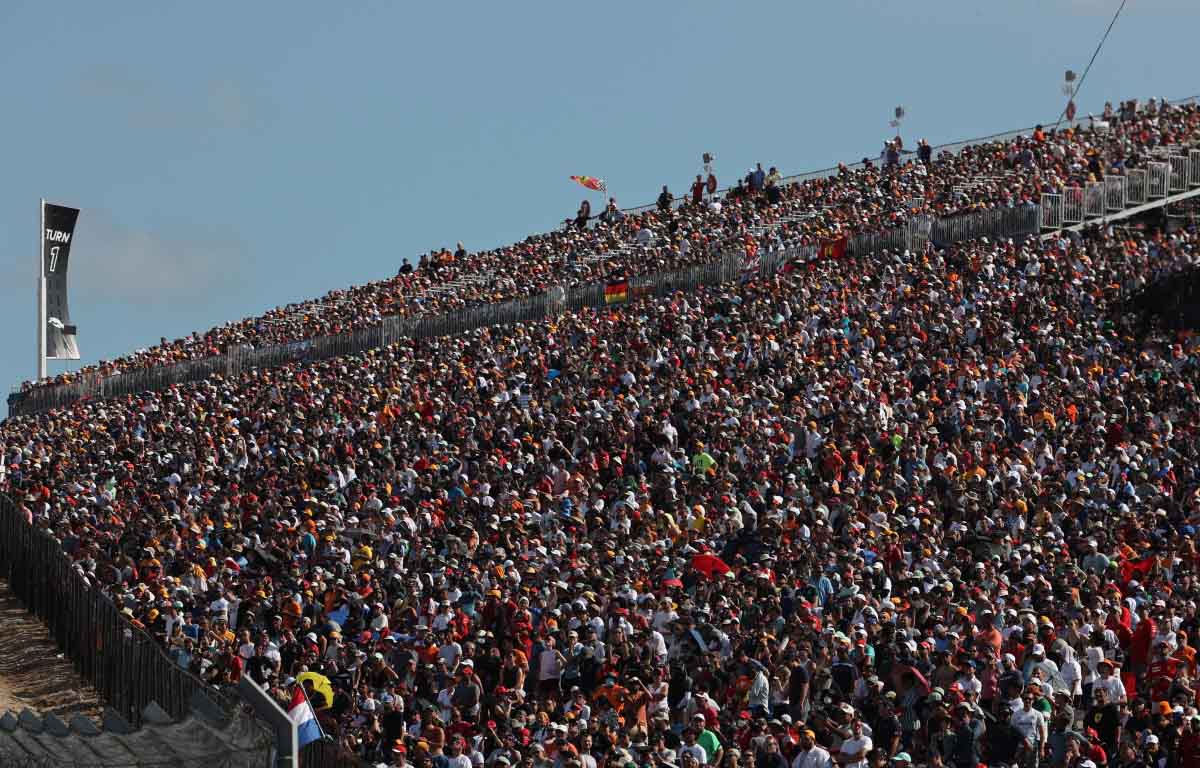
point(1073, 176)
point(851, 453)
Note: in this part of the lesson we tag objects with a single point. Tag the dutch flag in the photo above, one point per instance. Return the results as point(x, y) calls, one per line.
point(301, 713)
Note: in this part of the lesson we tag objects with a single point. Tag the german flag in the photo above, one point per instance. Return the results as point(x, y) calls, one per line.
point(833, 249)
point(616, 292)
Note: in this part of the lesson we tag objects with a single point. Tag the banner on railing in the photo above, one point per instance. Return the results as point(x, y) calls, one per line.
point(834, 248)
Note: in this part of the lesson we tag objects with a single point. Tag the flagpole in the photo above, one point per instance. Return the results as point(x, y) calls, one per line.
point(41, 301)
point(304, 693)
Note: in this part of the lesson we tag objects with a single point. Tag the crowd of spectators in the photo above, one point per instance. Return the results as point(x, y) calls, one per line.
point(914, 509)
point(871, 196)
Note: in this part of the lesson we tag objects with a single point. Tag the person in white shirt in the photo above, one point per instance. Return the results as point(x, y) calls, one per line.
point(690, 747)
point(811, 754)
point(1070, 674)
point(1111, 684)
point(1031, 724)
point(455, 756)
point(854, 750)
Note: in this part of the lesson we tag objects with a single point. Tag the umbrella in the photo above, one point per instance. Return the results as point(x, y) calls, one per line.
point(673, 583)
point(710, 565)
point(321, 686)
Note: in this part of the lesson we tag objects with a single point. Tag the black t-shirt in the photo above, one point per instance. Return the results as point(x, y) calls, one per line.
point(964, 747)
point(392, 723)
point(1003, 743)
point(1106, 720)
point(256, 667)
point(1137, 724)
point(796, 683)
point(885, 730)
point(844, 675)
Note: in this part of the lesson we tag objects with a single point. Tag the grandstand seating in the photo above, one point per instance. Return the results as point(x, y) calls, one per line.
point(683, 506)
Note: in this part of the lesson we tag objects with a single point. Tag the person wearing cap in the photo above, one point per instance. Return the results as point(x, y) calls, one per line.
point(707, 739)
point(887, 730)
point(1161, 671)
point(1152, 752)
point(809, 753)
point(964, 747)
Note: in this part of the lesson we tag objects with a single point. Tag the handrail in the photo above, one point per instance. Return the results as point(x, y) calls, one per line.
point(727, 267)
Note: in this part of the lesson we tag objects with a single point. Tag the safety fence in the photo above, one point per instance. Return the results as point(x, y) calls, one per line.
point(1177, 170)
point(913, 234)
point(125, 665)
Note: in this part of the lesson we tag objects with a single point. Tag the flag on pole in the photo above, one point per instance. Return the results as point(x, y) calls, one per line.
point(833, 249)
point(616, 292)
point(302, 715)
point(58, 234)
point(591, 182)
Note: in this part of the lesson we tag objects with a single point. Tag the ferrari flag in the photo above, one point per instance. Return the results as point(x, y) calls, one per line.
point(833, 249)
point(591, 182)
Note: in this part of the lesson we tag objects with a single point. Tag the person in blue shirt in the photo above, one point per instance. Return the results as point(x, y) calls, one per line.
point(758, 178)
point(824, 587)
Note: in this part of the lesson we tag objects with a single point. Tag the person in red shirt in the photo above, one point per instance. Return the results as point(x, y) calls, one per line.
point(698, 190)
point(1160, 672)
point(1139, 646)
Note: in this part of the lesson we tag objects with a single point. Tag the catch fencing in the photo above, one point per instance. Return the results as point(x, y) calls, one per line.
point(126, 666)
point(731, 266)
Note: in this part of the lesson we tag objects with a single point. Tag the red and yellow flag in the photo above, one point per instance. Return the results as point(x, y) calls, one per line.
point(833, 249)
point(591, 182)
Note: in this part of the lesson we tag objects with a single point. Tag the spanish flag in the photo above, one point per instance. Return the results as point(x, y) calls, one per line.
point(833, 249)
point(591, 182)
point(616, 292)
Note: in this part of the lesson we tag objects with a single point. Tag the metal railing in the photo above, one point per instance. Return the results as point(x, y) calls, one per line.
point(1157, 179)
point(913, 234)
point(127, 667)
point(1072, 205)
point(1135, 186)
point(1177, 171)
point(995, 222)
point(1114, 192)
point(1093, 199)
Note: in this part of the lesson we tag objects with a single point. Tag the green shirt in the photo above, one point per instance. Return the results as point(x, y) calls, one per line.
point(710, 742)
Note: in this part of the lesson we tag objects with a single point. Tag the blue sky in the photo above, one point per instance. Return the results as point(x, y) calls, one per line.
point(231, 157)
